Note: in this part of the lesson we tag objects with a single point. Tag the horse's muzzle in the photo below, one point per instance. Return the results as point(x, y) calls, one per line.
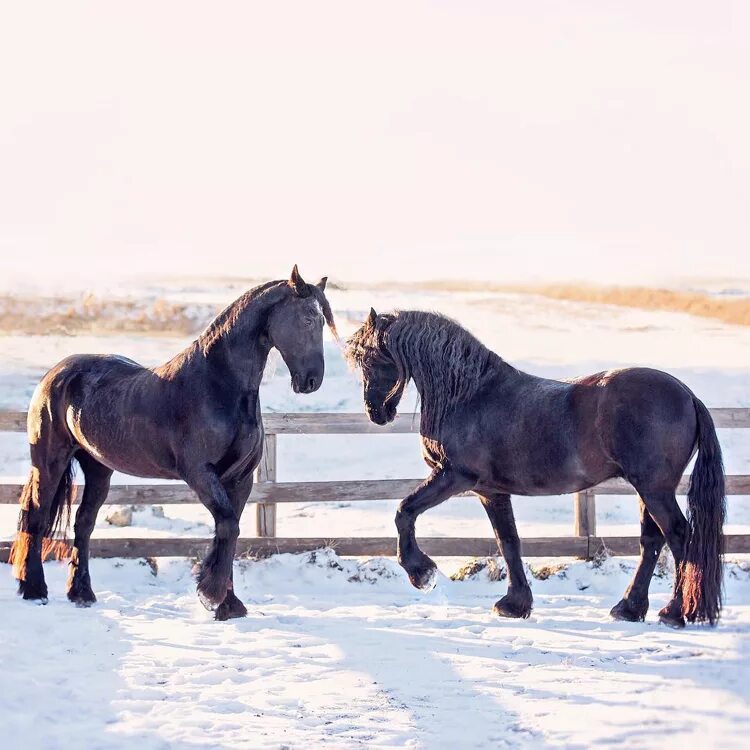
point(381, 416)
point(306, 383)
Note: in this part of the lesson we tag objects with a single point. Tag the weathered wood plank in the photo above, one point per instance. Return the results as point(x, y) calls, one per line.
point(333, 423)
point(731, 417)
point(736, 484)
point(375, 546)
point(122, 494)
point(321, 492)
point(627, 545)
point(343, 423)
point(12, 421)
point(267, 492)
point(584, 513)
point(351, 546)
point(265, 513)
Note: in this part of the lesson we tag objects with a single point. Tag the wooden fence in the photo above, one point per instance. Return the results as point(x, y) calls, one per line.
point(268, 492)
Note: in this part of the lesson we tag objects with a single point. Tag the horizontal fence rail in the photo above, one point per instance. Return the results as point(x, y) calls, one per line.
point(336, 423)
point(268, 492)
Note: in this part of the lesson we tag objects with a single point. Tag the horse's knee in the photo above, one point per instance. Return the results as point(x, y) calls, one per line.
point(227, 528)
point(651, 543)
point(403, 519)
point(84, 525)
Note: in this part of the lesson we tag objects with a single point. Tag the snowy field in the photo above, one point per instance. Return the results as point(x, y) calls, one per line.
point(343, 652)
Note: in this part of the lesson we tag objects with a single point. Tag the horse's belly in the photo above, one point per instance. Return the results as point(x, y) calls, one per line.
point(540, 476)
point(115, 447)
point(125, 460)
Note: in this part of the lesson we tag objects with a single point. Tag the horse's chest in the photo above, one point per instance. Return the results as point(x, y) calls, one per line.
point(244, 453)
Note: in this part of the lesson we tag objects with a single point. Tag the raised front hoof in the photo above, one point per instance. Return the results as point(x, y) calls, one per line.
point(671, 617)
point(33, 593)
point(626, 612)
point(423, 576)
point(230, 608)
point(513, 606)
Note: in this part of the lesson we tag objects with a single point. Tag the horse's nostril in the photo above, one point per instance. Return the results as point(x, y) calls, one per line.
point(311, 383)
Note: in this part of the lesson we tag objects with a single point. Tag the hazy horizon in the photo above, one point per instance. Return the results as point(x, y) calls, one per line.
point(600, 142)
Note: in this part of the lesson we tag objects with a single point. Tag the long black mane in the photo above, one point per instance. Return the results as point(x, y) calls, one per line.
point(266, 294)
point(447, 363)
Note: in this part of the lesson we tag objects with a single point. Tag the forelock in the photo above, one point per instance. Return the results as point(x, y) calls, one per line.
point(325, 308)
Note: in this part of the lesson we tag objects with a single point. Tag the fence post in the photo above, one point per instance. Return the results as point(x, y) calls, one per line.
point(584, 523)
point(265, 513)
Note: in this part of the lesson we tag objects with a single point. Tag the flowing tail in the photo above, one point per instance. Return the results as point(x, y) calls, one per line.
point(702, 570)
point(55, 531)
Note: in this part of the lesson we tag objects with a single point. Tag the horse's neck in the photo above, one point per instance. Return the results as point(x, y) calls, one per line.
point(432, 402)
point(233, 349)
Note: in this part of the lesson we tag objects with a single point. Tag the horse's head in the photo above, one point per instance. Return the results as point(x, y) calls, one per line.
point(384, 380)
point(295, 328)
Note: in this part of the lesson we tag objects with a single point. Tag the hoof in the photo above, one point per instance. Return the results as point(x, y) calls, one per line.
point(671, 620)
point(423, 576)
point(207, 603)
point(230, 608)
point(82, 598)
point(671, 615)
point(32, 593)
point(515, 606)
point(80, 591)
point(212, 592)
point(627, 613)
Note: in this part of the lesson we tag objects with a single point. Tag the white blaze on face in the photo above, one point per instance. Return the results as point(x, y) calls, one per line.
point(319, 309)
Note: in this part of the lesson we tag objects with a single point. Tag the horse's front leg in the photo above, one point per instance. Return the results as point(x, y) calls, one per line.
point(437, 488)
point(518, 601)
point(238, 492)
point(214, 577)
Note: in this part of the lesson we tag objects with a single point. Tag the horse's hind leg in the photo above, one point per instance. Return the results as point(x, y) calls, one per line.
point(42, 493)
point(94, 494)
point(663, 508)
point(518, 601)
point(634, 604)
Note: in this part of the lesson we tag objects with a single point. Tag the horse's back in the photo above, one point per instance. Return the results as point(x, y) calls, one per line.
point(66, 385)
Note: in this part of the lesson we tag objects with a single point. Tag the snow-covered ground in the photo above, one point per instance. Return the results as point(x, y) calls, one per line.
point(344, 652)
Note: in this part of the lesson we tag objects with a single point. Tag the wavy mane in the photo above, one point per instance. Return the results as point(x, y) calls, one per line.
point(267, 294)
point(447, 363)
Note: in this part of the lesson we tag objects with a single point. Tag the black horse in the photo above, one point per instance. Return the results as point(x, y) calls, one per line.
point(489, 428)
point(195, 418)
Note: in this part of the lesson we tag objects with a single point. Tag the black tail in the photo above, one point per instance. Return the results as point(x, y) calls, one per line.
point(59, 514)
point(702, 569)
point(58, 520)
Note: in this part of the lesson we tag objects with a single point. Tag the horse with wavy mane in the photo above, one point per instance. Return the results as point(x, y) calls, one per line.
point(489, 428)
point(196, 418)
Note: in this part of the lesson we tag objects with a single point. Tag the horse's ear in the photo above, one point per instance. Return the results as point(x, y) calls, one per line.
point(322, 284)
point(371, 318)
point(298, 283)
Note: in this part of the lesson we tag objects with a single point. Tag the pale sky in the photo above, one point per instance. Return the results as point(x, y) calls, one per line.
point(405, 140)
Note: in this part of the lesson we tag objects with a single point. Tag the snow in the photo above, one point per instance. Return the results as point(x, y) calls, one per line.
point(345, 652)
